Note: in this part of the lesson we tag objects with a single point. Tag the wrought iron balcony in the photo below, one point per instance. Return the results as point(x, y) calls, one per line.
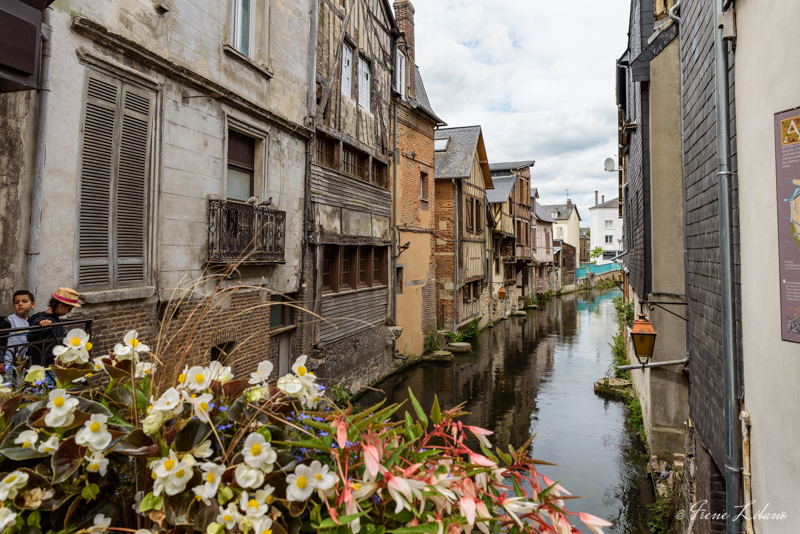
point(241, 233)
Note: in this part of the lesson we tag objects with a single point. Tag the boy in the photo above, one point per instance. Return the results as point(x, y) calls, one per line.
point(23, 303)
point(63, 302)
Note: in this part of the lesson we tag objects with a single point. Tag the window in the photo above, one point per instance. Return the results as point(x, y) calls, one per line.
point(241, 16)
point(364, 88)
point(423, 185)
point(241, 166)
point(559, 233)
point(609, 225)
point(609, 239)
point(326, 152)
point(364, 267)
point(222, 352)
point(280, 315)
point(440, 145)
point(347, 70)
point(399, 280)
point(114, 179)
point(379, 265)
point(349, 257)
point(400, 74)
point(379, 174)
point(353, 163)
point(478, 215)
point(469, 213)
point(351, 267)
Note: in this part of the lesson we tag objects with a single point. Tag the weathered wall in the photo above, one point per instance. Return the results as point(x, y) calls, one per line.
point(765, 87)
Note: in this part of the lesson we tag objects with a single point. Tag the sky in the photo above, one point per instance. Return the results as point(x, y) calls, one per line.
point(538, 76)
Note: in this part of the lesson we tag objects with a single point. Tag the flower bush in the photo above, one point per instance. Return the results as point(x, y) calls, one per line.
point(90, 446)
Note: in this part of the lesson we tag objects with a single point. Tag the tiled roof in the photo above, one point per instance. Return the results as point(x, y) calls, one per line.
point(456, 161)
point(543, 214)
point(502, 188)
point(613, 203)
point(564, 213)
point(511, 165)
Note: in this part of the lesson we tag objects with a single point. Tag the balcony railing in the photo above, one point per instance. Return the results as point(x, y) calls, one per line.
point(241, 233)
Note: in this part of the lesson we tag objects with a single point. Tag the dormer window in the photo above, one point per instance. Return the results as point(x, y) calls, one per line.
point(440, 145)
point(554, 214)
point(400, 74)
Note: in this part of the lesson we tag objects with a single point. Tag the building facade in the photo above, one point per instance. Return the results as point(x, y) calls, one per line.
point(605, 230)
point(542, 248)
point(568, 222)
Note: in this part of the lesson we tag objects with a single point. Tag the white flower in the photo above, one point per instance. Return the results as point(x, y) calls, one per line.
point(299, 486)
point(311, 401)
point(247, 477)
point(168, 402)
point(11, 484)
point(123, 352)
point(60, 408)
point(262, 374)
point(299, 367)
point(50, 446)
point(101, 524)
point(321, 477)
point(166, 466)
point(27, 439)
point(153, 422)
point(204, 450)
point(69, 355)
point(262, 525)
point(258, 504)
point(98, 463)
point(131, 340)
point(217, 372)
point(144, 369)
point(258, 453)
point(178, 479)
point(94, 433)
point(229, 516)
point(182, 377)
point(7, 517)
point(98, 364)
point(76, 339)
point(212, 475)
point(201, 493)
point(200, 405)
point(290, 385)
point(198, 378)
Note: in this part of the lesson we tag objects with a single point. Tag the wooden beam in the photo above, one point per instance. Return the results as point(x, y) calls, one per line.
point(326, 93)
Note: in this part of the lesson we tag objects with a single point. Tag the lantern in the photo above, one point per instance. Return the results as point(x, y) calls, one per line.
point(501, 293)
point(643, 336)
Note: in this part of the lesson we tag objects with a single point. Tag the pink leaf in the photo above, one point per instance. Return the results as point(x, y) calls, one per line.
point(594, 523)
point(371, 459)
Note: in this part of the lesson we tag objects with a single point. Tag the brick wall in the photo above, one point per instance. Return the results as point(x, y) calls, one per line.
point(444, 228)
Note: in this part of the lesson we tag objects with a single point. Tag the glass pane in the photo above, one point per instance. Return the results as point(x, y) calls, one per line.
point(276, 315)
point(239, 184)
point(244, 33)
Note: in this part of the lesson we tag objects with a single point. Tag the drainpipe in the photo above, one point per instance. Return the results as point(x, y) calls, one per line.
point(312, 60)
point(733, 453)
point(41, 153)
point(394, 223)
point(455, 256)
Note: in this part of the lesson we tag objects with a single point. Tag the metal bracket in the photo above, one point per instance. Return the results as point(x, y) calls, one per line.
point(651, 305)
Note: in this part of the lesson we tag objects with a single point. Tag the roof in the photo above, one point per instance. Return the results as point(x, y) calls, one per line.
point(564, 213)
point(421, 98)
point(542, 214)
point(511, 165)
point(613, 203)
point(502, 189)
point(456, 160)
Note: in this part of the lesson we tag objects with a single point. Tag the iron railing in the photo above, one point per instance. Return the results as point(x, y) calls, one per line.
point(246, 234)
point(19, 350)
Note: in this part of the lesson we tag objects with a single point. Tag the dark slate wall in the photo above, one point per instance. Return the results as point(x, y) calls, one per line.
point(702, 226)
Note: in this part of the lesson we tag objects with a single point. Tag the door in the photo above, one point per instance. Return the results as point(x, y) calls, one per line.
point(284, 353)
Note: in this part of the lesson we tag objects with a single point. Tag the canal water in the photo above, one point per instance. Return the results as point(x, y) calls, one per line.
point(533, 375)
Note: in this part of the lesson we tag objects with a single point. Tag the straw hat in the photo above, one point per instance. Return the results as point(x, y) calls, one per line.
point(67, 296)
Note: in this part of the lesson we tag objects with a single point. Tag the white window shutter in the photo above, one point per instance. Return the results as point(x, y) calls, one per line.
point(363, 84)
point(347, 70)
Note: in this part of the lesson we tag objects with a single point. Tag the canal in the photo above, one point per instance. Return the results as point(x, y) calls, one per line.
point(534, 375)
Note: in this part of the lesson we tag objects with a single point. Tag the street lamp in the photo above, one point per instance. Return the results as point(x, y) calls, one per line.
point(501, 293)
point(643, 336)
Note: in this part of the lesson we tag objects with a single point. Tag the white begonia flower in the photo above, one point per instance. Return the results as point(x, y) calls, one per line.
point(94, 433)
point(69, 355)
point(182, 377)
point(153, 422)
point(212, 476)
point(168, 402)
point(123, 352)
point(299, 368)
point(166, 466)
point(101, 524)
point(201, 493)
point(178, 479)
point(256, 505)
point(311, 401)
point(35, 373)
point(50, 446)
point(299, 487)
point(262, 373)
point(97, 463)
point(258, 453)
point(144, 369)
point(198, 378)
point(131, 340)
point(7, 517)
point(262, 525)
point(98, 364)
point(27, 439)
point(229, 516)
point(158, 486)
point(321, 477)
point(76, 339)
point(11, 484)
point(216, 371)
point(200, 405)
point(290, 385)
point(248, 477)
point(203, 450)
point(60, 404)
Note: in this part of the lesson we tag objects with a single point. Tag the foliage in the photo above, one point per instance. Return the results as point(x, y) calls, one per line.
point(341, 396)
point(625, 311)
point(635, 419)
point(608, 283)
point(432, 343)
point(666, 510)
point(212, 454)
point(619, 352)
point(595, 253)
point(469, 332)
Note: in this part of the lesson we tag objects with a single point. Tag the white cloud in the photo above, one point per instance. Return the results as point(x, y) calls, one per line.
point(537, 76)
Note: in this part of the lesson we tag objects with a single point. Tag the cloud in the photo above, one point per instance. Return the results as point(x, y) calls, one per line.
point(537, 76)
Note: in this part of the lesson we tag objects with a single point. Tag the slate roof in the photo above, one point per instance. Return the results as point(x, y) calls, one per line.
point(421, 98)
point(456, 160)
point(543, 214)
point(510, 165)
point(613, 203)
point(564, 213)
point(502, 188)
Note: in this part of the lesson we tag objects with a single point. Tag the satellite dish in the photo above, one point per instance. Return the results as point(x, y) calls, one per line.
point(610, 165)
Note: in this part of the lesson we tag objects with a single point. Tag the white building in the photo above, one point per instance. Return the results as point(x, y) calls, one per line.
point(606, 230)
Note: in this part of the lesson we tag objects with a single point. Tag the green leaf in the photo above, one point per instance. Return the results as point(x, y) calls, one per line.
point(66, 460)
point(224, 495)
point(151, 502)
point(436, 412)
point(34, 519)
point(16, 451)
point(343, 520)
point(425, 527)
point(193, 434)
point(90, 492)
point(264, 431)
point(404, 516)
point(137, 443)
point(420, 412)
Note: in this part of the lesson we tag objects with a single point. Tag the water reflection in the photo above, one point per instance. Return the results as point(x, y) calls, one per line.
point(534, 375)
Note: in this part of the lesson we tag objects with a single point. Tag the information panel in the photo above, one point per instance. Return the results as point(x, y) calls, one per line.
point(787, 162)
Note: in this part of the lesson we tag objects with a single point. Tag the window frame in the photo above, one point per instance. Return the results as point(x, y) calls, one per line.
point(325, 149)
point(241, 166)
point(347, 69)
point(424, 184)
point(609, 224)
point(609, 239)
point(236, 26)
point(287, 313)
point(364, 84)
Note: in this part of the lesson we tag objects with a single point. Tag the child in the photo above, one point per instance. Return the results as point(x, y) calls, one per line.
point(63, 301)
point(23, 304)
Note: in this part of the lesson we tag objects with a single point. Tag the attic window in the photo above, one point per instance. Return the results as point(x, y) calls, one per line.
point(554, 214)
point(440, 145)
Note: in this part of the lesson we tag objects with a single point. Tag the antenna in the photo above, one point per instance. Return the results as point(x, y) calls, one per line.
point(609, 165)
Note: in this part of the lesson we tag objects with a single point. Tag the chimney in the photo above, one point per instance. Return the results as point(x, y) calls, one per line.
point(404, 16)
point(604, 199)
point(569, 203)
point(595, 198)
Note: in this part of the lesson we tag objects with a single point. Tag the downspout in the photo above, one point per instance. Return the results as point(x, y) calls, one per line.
point(733, 455)
point(455, 256)
point(312, 60)
point(394, 224)
point(746, 474)
point(41, 153)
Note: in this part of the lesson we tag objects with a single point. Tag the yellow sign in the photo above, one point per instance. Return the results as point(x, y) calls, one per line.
point(790, 131)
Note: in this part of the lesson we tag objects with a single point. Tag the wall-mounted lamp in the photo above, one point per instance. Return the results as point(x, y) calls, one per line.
point(643, 336)
point(501, 293)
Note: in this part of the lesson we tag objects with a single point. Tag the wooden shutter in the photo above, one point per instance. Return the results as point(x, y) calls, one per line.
point(363, 84)
point(347, 70)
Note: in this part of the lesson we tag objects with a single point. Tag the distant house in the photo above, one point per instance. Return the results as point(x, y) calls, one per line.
point(542, 246)
point(606, 229)
point(584, 254)
point(566, 257)
point(568, 222)
point(502, 241)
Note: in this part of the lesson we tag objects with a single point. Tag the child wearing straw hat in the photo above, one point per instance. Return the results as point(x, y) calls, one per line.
point(63, 301)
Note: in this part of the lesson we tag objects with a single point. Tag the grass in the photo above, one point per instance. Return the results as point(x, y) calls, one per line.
point(665, 510)
point(469, 332)
point(432, 343)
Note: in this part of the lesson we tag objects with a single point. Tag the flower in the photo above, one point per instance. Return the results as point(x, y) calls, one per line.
point(94, 433)
point(131, 340)
point(35, 373)
point(165, 466)
point(298, 484)
point(123, 352)
point(178, 478)
point(204, 450)
point(201, 493)
point(257, 504)
point(199, 405)
point(258, 453)
point(262, 525)
point(68, 354)
point(403, 491)
point(27, 439)
point(212, 475)
point(99, 365)
point(262, 373)
point(247, 477)
point(7, 517)
point(11, 484)
point(290, 385)
point(76, 339)
point(50, 446)
point(481, 434)
point(98, 463)
point(168, 402)
point(101, 524)
point(217, 372)
point(144, 369)
point(299, 367)
point(229, 516)
point(153, 422)
point(594, 523)
point(60, 408)
point(182, 377)
point(321, 477)
point(198, 378)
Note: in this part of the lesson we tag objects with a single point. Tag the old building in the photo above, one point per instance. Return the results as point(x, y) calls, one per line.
point(565, 259)
point(349, 187)
point(415, 192)
point(585, 240)
point(462, 178)
point(568, 222)
point(502, 245)
point(542, 246)
point(605, 230)
point(163, 120)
